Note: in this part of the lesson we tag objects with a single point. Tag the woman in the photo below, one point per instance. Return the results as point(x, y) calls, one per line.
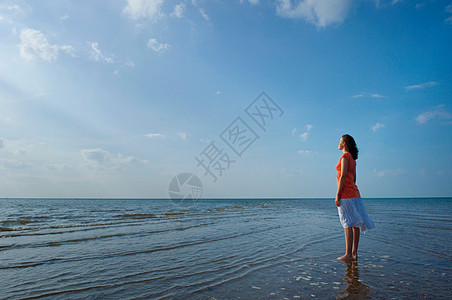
point(351, 210)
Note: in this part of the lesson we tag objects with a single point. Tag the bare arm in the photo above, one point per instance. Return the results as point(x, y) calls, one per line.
point(340, 187)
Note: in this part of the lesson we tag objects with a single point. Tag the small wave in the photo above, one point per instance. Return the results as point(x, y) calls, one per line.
point(137, 216)
point(23, 265)
point(19, 222)
point(438, 220)
point(174, 213)
point(59, 226)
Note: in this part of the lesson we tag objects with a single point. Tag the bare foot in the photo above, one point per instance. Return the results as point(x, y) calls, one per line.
point(345, 258)
point(355, 257)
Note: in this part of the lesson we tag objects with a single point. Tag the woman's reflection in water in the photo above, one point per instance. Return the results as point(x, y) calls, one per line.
point(355, 289)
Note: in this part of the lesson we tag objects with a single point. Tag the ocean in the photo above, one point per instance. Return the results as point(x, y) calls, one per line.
point(221, 249)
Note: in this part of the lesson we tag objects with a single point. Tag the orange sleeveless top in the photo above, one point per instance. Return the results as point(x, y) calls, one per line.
point(350, 190)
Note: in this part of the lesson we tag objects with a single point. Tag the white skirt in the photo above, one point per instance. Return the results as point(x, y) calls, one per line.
point(352, 213)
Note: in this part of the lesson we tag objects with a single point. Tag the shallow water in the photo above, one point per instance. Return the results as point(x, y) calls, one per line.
point(221, 249)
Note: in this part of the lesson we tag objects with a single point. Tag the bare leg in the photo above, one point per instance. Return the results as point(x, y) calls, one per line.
point(348, 245)
point(356, 233)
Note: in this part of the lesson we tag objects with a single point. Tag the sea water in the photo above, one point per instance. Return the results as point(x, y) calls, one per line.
point(221, 249)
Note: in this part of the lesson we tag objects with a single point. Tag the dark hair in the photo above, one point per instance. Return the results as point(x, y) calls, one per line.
point(351, 145)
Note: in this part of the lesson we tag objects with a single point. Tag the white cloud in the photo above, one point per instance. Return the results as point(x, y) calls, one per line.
point(35, 45)
point(155, 135)
point(204, 14)
point(98, 155)
point(156, 46)
point(101, 158)
point(422, 85)
point(305, 152)
point(97, 55)
point(377, 126)
point(375, 95)
point(201, 10)
point(178, 10)
point(8, 163)
point(319, 12)
point(438, 113)
point(449, 8)
point(129, 63)
point(389, 172)
point(2, 143)
point(419, 5)
point(384, 3)
point(56, 167)
point(368, 95)
point(137, 9)
point(304, 136)
point(254, 2)
point(183, 135)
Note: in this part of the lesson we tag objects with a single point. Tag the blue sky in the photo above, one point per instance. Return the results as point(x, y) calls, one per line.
point(115, 98)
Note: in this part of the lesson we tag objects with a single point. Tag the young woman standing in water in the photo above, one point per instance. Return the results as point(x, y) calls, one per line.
point(351, 210)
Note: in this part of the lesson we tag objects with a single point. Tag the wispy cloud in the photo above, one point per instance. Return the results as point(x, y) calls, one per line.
point(201, 11)
point(305, 152)
point(254, 2)
point(155, 136)
point(318, 12)
point(304, 136)
point(137, 9)
point(157, 46)
point(389, 172)
point(34, 44)
point(383, 3)
point(183, 135)
point(448, 8)
point(377, 126)
point(419, 5)
point(368, 95)
point(438, 113)
point(178, 10)
point(100, 158)
point(10, 7)
point(422, 85)
point(97, 55)
point(9, 163)
point(204, 14)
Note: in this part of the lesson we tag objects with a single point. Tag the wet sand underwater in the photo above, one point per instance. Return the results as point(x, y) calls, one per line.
point(221, 249)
